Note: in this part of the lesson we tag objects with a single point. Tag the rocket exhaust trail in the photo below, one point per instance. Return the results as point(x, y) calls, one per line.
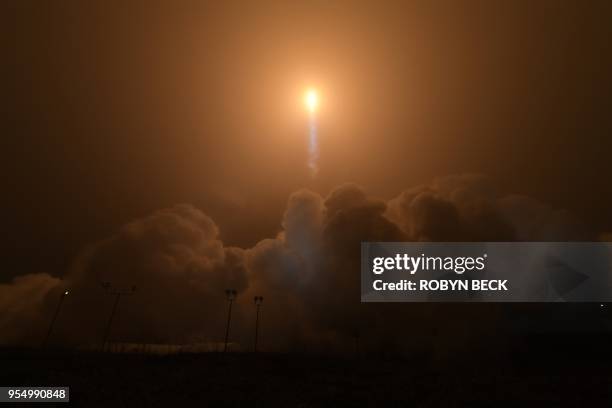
point(313, 146)
point(311, 100)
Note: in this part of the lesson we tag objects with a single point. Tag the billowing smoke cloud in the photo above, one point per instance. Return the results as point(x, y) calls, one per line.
point(308, 274)
point(22, 306)
point(179, 267)
point(469, 208)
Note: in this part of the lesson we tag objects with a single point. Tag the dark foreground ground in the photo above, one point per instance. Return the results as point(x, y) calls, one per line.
point(312, 380)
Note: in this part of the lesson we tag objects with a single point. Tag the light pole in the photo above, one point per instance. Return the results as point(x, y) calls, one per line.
point(231, 295)
point(258, 301)
point(117, 293)
point(57, 310)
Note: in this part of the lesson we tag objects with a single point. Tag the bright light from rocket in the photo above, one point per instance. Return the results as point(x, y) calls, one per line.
point(311, 100)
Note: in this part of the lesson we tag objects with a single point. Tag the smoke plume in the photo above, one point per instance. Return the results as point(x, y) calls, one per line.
point(308, 274)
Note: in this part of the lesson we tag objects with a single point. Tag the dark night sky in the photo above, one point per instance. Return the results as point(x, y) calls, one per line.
point(115, 109)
